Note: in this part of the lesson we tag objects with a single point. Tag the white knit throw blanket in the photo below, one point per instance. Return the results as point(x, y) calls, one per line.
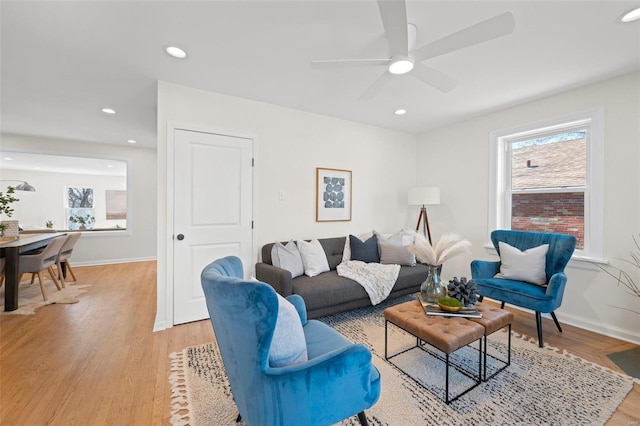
point(377, 279)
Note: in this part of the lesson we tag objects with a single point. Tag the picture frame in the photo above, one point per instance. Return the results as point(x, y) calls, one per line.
point(333, 195)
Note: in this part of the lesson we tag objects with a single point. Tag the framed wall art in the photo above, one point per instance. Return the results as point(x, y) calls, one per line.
point(333, 195)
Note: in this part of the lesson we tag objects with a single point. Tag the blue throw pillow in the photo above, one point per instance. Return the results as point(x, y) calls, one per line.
point(366, 251)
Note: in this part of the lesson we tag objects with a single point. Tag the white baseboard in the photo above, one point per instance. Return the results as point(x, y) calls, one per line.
point(112, 261)
point(607, 330)
point(604, 329)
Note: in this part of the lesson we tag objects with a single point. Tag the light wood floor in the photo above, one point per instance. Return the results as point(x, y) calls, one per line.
point(99, 363)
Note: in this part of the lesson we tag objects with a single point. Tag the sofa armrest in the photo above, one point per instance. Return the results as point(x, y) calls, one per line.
point(278, 278)
point(484, 268)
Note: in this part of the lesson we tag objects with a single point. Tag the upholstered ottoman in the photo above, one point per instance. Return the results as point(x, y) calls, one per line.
point(444, 333)
point(494, 319)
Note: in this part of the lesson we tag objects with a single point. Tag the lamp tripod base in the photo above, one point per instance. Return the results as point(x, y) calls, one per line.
point(424, 220)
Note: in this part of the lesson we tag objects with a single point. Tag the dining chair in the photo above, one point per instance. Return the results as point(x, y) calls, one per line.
point(65, 253)
point(44, 260)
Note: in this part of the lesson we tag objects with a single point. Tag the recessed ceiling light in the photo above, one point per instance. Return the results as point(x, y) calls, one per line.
point(400, 112)
point(401, 65)
point(131, 141)
point(8, 158)
point(631, 16)
point(108, 110)
point(176, 52)
point(110, 166)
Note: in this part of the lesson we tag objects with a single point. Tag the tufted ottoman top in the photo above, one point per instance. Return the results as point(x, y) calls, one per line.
point(445, 333)
point(493, 318)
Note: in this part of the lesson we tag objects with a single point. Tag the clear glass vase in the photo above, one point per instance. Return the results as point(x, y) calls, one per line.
point(433, 288)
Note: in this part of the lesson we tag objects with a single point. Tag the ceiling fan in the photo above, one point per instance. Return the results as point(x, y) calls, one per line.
point(406, 58)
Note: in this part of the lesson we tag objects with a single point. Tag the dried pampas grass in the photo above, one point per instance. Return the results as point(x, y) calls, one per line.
point(446, 247)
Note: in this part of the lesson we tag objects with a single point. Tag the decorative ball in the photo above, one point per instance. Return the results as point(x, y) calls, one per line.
point(463, 290)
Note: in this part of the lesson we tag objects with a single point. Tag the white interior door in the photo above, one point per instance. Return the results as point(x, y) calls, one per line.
point(213, 212)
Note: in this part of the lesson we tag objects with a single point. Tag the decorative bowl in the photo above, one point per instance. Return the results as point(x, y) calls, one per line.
point(449, 308)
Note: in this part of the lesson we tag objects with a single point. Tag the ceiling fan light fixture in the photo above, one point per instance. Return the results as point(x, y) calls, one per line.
point(401, 65)
point(400, 111)
point(632, 15)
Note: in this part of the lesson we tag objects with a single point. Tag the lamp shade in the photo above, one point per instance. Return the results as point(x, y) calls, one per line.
point(424, 195)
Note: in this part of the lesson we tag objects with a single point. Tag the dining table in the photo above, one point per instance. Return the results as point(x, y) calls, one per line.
point(11, 251)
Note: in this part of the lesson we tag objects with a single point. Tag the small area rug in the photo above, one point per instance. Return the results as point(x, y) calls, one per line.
point(541, 386)
point(30, 296)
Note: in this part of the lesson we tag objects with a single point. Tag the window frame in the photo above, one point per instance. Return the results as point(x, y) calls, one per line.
point(499, 216)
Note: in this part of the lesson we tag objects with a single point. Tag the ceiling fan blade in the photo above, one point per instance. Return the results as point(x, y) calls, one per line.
point(495, 27)
point(394, 19)
point(433, 77)
point(373, 90)
point(343, 63)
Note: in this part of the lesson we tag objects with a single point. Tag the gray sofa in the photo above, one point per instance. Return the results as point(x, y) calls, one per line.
point(329, 293)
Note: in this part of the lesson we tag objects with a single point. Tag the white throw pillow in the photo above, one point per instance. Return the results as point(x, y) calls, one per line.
point(346, 252)
point(313, 257)
point(288, 346)
point(287, 257)
point(526, 266)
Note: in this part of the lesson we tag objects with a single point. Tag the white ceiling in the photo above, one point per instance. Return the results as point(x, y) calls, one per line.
point(62, 61)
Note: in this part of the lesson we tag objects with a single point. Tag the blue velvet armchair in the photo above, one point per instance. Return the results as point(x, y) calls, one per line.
point(539, 298)
point(337, 381)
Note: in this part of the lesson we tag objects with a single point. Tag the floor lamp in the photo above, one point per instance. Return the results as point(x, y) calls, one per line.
point(424, 196)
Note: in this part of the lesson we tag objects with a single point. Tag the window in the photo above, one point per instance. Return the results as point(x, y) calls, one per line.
point(547, 177)
point(80, 213)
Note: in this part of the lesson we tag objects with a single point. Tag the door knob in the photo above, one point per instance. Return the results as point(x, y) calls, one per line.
point(180, 237)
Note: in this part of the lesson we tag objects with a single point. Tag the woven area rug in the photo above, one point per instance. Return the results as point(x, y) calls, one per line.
point(30, 296)
point(541, 386)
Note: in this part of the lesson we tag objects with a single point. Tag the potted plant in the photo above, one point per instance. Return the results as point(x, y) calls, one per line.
point(9, 227)
point(49, 224)
point(83, 221)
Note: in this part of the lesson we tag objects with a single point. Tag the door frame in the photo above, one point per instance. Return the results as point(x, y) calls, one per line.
point(167, 241)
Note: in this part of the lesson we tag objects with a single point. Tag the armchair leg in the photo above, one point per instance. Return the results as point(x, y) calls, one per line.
point(553, 315)
point(362, 418)
point(239, 418)
point(539, 324)
point(502, 305)
point(480, 298)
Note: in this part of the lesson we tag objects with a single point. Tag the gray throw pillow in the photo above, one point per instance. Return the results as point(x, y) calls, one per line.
point(395, 254)
point(287, 257)
point(366, 251)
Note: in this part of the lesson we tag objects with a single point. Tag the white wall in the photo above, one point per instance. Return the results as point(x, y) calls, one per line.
point(290, 144)
point(456, 158)
point(48, 201)
point(101, 248)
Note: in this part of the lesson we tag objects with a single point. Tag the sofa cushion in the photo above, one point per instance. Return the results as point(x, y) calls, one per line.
point(327, 289)
point(313, 257)
point(364, 251)
point(287, 257)
point(528, 265)
point(288, 345)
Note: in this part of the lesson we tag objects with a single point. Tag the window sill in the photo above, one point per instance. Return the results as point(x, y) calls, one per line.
point(577, 260)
